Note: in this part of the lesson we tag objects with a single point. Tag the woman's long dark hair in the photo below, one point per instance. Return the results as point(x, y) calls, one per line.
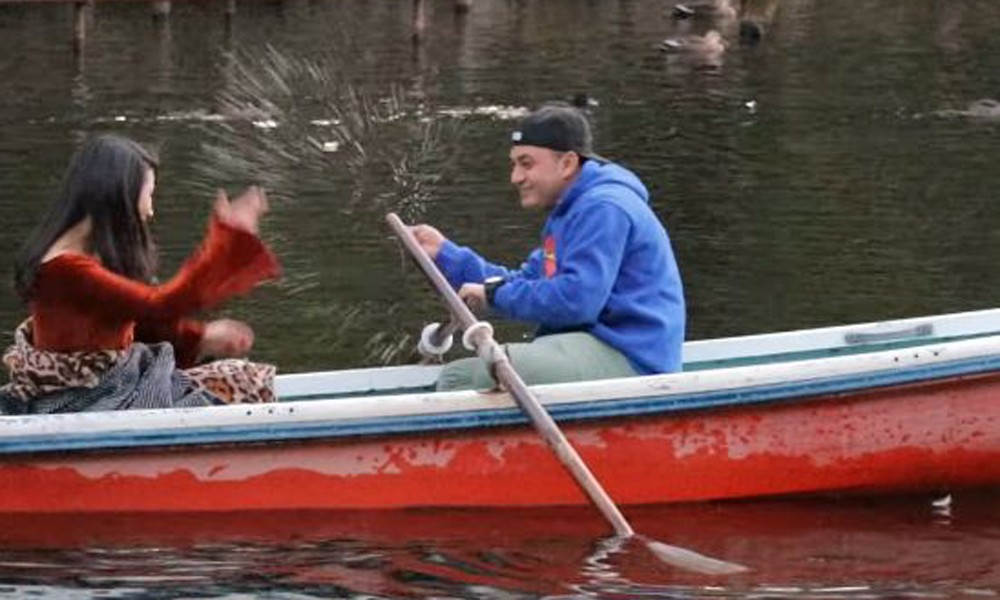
point(103, 182)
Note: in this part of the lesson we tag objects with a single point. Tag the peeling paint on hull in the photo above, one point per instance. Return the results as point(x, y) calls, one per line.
point(928, 436)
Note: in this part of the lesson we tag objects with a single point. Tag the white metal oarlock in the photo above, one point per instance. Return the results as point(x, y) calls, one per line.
point(427, 348)
point(491, 353)
point(472, 331)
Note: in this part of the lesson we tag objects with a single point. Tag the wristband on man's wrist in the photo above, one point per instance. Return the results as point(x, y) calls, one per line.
point(490, 285)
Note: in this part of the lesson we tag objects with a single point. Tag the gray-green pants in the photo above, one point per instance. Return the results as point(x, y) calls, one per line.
point(549, 359)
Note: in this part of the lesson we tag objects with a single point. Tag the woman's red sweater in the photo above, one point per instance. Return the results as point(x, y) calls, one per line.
point(79, 306)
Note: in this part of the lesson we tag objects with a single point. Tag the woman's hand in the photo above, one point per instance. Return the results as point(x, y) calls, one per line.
point(225, 338)
point(244, 211)
point(430, 239)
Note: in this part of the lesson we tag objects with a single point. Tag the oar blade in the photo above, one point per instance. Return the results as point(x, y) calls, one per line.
point(690, 560)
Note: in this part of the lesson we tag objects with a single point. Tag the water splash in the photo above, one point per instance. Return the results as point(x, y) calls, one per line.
point(331, 152)
point(299, 125)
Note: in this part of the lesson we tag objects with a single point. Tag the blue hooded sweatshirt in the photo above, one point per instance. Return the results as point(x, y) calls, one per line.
point(605, 267)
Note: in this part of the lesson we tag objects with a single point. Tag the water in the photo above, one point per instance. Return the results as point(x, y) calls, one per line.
point(827, 175)
point(852, 549)
point(832, 173)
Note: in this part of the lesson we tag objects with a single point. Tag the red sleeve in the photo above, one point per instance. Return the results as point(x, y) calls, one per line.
point(183, 334)
point(229, 262)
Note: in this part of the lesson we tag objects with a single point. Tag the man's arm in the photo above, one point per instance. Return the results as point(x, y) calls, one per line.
point(589, 258)
point(459, 264)
point(462, 265)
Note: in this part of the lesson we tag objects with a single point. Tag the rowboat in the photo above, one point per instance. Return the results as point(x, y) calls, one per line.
point(910, 405)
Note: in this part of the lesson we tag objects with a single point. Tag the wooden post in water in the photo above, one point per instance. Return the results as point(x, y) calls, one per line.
point(419, 19)
point(79, 26)
point(230, 15)
point(462, 6)
point(161, 10)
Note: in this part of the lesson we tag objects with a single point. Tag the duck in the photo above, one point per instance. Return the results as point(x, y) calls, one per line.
point(984, 108)
point(713, 9)
point(703, 51)
point(584, 101)
point(710, 44)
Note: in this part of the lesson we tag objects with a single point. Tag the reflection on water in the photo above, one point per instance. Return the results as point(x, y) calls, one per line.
point(892, 548)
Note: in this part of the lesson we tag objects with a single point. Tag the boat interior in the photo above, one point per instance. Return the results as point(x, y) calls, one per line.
point(699, 355)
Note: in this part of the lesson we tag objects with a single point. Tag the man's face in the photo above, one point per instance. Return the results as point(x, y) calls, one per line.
point(540, 175)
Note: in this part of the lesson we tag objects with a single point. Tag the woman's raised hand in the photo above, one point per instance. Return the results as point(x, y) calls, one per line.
point(244, 211)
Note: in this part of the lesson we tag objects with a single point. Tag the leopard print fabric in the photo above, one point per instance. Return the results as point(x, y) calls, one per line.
point(235, 381)
point(35, 372)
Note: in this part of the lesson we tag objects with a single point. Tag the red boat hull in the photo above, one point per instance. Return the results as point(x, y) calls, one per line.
point(932, 436)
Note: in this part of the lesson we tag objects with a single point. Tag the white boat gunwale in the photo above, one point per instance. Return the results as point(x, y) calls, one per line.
point(342, 418)
point(951, 326)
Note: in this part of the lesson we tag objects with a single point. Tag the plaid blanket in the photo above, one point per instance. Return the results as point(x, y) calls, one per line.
point(143, 376)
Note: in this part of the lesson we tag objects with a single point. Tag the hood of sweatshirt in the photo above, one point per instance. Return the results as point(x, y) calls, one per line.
point(595, 174)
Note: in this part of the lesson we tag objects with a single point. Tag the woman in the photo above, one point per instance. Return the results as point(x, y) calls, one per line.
point(100, 335)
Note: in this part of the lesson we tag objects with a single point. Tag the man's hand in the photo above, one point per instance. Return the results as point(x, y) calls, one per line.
point(430, 239)
point(474, 296)
point(225, 338)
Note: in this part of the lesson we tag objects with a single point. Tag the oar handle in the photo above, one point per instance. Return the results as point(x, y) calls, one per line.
point(458, 308)
point(489, 350)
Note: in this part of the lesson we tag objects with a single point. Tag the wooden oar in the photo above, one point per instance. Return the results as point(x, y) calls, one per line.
point(481, 336)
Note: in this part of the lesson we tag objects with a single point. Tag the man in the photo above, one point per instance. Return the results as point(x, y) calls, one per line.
point(603, 288)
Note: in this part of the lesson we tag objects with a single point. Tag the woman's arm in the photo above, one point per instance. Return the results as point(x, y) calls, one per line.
point(229, 262)
point(184, 334)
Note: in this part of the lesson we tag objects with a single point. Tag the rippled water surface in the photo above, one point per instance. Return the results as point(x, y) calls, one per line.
point(832, 173)
point(849, 549)
point(843, 169)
